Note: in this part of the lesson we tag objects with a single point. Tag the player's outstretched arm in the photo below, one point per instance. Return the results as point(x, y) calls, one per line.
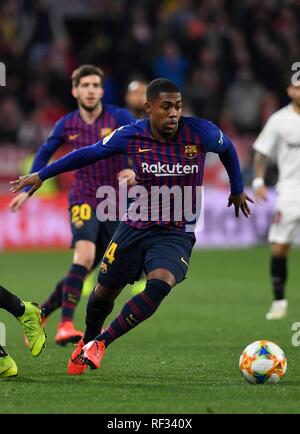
point(18, 201)
point(213, 140)
point(72, 161)
point(41, 159)
point(240, 203)
point(32, 180)
point(113, 144)
point(238, 196)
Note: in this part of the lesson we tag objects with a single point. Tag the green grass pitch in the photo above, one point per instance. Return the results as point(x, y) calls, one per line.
point(182, 360)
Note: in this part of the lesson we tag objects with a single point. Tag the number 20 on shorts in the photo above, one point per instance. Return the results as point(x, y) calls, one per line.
point(81, 212)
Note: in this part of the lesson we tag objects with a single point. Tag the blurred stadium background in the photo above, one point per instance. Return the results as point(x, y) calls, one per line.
point(231, 59)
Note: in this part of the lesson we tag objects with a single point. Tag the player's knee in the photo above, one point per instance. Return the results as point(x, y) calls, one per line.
point(84, 254)
point(163, 275)
point(105, 294)
point(85, 260)
point(280, 250)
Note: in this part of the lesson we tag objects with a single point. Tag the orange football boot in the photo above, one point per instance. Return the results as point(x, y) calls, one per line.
point(66, 332)
point(76, 365)
point(92, 354)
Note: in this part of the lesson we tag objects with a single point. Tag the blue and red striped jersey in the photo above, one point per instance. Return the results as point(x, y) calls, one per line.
point(74, 131)
point(177, 162)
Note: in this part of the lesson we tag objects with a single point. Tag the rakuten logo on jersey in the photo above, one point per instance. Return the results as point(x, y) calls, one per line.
point(160, 169)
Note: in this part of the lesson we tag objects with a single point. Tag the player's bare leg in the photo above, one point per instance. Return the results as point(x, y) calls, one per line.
point(278, 271)
point(83, 260)
point(136, 310)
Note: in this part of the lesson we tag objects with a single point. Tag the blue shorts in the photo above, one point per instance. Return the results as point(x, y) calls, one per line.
point(86, 226)
point(132, 251)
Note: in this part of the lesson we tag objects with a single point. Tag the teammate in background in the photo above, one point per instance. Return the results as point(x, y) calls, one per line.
point(91, 122)
point(167, 150)
point(135, 98)
point(280, 139)
point(29, 316)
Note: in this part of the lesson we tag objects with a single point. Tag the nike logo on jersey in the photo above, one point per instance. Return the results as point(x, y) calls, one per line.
point(184, 261)
point(73, 136)
point(131, 320)
point(144, 150)
point(221, 138)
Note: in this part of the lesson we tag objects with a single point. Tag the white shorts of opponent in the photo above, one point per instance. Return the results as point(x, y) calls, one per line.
point(286, 223)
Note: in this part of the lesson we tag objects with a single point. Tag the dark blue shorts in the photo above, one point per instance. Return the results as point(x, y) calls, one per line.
point(86, 226)
point(132, 251)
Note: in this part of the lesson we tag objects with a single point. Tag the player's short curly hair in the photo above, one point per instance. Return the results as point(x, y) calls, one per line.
point(84, 71)
point(155, 87)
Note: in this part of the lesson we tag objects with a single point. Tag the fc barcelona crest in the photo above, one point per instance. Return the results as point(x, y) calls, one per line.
point(78, 224)
point(103, 268)
point(190, 151)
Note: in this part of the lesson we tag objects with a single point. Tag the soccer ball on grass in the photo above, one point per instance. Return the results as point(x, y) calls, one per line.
point(263, 362)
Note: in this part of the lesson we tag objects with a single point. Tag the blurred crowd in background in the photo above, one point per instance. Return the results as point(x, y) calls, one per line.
point(232, 59)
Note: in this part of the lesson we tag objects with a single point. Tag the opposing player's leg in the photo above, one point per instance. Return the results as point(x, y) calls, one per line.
point(29, 316)
point(8, 367)
point(11, 303)
point(278, 271)
point(282, 233)
point(31, 322)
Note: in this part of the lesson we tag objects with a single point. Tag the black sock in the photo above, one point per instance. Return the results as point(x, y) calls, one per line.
point(11, 303)
point(3, 353)
point(55, 299)
point(136, 310)
point(96, 313)
point(278, 276)
point(71, 291)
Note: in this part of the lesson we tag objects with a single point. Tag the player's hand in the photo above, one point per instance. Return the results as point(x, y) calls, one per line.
point(129, 175)
point(240, 203)
point(18, 201)
point(261, 194)
point(33, 179)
